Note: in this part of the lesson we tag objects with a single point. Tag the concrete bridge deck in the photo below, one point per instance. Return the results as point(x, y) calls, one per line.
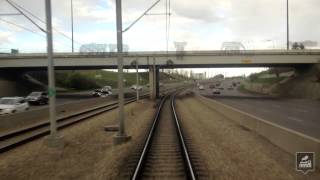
point(172, 59)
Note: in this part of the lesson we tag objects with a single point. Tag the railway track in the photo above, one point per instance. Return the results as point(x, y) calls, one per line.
point(19, 137)
point(165, 154)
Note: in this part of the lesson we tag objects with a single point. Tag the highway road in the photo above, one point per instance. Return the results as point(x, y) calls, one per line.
point(301, 115)
point(67, 103)
point(71, 97)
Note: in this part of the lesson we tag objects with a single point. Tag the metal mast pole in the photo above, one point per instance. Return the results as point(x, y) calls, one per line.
point(72, 25)
point(53, 140)
point(121, 137)
point(137, 79)
point(51, 89)
point(288, 25)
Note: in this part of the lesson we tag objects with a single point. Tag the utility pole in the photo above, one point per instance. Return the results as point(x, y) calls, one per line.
point(72, 25)
point(137, 79)
point(121, 137)
point(288, 25)
point(53, 140)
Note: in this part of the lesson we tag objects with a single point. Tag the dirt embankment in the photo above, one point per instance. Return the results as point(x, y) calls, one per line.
point(232, 151)
point(88, 154)
point(305, 83)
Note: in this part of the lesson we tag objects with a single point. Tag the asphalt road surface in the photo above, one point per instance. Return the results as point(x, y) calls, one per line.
point(301, 115)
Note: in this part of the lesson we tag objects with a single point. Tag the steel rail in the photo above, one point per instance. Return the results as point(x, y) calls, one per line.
point(63, 122)
point(139, 167)
point(186, 155)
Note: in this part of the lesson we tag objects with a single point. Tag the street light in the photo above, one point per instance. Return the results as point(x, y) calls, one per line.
point(72, 25)
point(288, 25)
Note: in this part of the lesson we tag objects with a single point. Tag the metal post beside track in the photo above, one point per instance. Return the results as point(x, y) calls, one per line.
point(53, 140)
point(121, 137)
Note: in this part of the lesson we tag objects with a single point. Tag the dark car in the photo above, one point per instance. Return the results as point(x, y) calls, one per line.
point(230, 88)
point(212, 86)
point(37, 98)
point(216, 91)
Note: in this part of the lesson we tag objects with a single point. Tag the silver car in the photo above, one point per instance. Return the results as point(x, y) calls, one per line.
point(10, 105)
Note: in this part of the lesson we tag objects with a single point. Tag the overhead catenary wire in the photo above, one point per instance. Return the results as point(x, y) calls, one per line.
point(141, 16)
point(30, 30)
point(31, 20)
point(21, 9)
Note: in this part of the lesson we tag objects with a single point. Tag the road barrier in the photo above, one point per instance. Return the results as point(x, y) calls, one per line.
point(287, 139)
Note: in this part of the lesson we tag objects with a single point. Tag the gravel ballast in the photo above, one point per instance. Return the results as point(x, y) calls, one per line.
point(88, 154)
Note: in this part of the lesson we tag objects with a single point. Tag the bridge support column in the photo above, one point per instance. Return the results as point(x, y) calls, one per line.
point(154, 82)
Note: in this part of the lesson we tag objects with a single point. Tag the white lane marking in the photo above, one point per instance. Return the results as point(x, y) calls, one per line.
point(295, 119)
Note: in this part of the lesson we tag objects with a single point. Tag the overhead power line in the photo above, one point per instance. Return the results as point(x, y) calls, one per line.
point(30, 30)
point(39, 19)
point(22, 27)
point(31, 20)
point(141, 16)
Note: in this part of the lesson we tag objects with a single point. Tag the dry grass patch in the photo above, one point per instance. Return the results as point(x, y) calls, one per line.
point(231, 151)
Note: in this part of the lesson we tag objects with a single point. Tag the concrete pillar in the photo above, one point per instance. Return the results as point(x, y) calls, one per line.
point(152, 83)
point(157, 80)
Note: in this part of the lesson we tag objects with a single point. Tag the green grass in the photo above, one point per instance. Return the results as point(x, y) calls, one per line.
point(267, 80)
point(91, 79)
point(242, 89)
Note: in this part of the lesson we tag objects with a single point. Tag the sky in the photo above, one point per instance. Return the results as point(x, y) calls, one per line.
point(202, 24)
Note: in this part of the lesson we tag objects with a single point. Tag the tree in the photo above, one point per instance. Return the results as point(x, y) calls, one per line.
point(301, 46)
point(295, 45)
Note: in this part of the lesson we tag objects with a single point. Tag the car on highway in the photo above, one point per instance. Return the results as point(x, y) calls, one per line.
point(101, 93)
point(216, 91)
point(211, 86)
point(234, 84)
point(230, 88)
point(10, 105)
point(106, 88)
point(201, 87)
point(37, 98)
point(135, 87)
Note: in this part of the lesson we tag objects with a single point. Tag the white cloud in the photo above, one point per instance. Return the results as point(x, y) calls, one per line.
point(203, 24)
point(6, 37)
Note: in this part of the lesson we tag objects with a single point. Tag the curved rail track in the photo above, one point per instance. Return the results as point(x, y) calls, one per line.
point(19, 137)
point(165, 154)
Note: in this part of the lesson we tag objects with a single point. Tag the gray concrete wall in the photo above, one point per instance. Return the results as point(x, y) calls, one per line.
point(11, 88)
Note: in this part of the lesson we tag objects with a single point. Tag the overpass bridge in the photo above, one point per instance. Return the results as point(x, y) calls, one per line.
point(172, 59)
point(155, 60)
